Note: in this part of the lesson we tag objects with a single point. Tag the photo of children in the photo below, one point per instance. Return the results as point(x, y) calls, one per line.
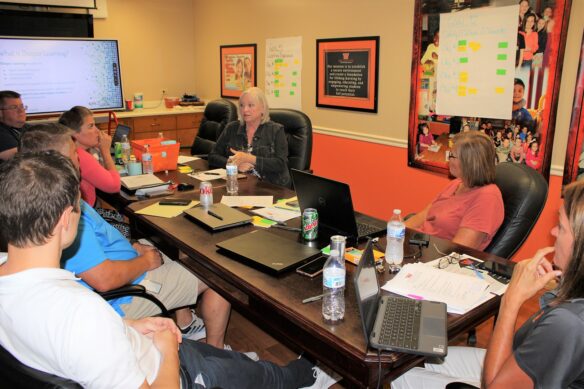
point(520, 138)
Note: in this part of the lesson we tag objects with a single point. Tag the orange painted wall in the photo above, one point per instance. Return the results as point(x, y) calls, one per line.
point(380, 180)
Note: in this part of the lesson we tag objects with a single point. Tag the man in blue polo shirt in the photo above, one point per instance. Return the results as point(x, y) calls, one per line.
point(105, 260)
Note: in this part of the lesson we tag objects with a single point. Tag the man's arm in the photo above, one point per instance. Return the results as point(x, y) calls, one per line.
point(7, 154)
point(166, 336)
point(112, 274)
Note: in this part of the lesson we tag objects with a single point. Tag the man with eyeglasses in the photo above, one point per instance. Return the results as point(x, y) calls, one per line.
point(12, 122)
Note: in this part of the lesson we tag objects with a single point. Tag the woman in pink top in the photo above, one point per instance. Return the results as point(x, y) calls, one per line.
point(469, 211)
point(531, 38)
point(87, 135)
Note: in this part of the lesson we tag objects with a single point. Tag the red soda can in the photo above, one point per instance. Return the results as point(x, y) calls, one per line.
point(310, 224)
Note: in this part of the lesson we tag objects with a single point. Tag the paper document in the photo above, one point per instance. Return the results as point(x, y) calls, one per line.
point(459, 292)
point(247, 201)
point(277, 214)
point(135, 182)
point(167, 211)
point(186, 158)
point(466, 267)
point(210, 175)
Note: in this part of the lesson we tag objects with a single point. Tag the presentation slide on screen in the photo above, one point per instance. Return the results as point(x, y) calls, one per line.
point(55, 75)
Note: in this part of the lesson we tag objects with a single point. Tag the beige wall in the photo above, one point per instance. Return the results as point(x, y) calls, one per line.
point(156, 45)
point(175, 45)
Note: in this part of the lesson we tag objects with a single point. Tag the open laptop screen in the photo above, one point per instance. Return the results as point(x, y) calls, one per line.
point(367, 290)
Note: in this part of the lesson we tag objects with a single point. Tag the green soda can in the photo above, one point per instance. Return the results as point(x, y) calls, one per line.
point(118, 153)
point(310, 224)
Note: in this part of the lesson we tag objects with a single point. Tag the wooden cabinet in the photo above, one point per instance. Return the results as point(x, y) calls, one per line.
point(181, 127)
point(187, 127)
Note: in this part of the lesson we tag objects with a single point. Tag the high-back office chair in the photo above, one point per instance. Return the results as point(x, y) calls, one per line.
point(524, 192)
point(16, 375)
point(298, 129)
point(216, 116)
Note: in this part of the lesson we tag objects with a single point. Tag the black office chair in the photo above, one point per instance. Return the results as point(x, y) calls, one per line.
point(524, 193)
point(298, 130)
point(216, 116)
point(16, 375)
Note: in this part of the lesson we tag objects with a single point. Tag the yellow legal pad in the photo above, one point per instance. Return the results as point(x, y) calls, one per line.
point(167, 211)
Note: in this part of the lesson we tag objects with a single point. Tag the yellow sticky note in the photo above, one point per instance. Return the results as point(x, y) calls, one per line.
point(462, 90)
point(463, 77)
point(296, 61)
point(167, 211)
point(259, 221)
point(461, 48)
point(499, 90)
point(472, 91)
point(474, 46)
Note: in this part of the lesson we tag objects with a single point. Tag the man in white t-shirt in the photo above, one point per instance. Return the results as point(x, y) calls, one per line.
point(51, 323)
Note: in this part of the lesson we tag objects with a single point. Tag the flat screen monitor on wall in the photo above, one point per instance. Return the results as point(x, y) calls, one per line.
point(53, 75)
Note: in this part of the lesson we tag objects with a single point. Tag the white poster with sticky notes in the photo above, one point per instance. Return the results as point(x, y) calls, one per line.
point(476, 57)
point(283, 81)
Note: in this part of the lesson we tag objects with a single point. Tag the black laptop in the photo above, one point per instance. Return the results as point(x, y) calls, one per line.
point(267, 251)
point(397, 323)
point(332, 200)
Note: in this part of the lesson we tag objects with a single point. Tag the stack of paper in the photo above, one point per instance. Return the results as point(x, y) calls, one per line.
point(459, 292)
point(247, 201)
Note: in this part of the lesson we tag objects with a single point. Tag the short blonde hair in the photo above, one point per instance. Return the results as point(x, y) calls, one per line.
point(260, 98)
point(477, 156)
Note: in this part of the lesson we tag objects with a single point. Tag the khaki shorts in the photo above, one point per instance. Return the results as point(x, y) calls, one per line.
point(179, 288)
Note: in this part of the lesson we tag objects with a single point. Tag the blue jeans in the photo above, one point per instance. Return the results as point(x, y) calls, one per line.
point(230, 369)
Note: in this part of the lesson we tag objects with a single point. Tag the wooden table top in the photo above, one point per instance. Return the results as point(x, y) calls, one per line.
point(275, 303)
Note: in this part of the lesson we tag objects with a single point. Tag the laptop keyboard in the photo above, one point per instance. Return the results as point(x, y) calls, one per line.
point(367, 229)
point(401, 323)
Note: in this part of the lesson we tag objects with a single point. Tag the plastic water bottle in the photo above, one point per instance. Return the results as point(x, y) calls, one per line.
point(333, 282)
point(232, 186)
point(147, 167)
point(126, 149)
point(396, 232)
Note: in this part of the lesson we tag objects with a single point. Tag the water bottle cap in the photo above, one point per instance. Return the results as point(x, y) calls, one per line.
point(397, 211)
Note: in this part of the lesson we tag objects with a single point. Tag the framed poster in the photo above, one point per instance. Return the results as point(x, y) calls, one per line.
point(491, 66)
point(347, 73)
point(238, 69)
point(574, 166)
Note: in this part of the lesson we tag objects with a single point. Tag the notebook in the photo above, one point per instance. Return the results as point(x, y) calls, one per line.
point(332, 200)
point(218, 217)
point(397, 323)
point(267, 251)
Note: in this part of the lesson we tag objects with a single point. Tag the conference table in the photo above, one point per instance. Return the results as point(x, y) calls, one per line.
point(274, 303)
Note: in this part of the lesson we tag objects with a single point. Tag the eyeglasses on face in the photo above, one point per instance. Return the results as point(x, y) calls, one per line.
point(15, 108)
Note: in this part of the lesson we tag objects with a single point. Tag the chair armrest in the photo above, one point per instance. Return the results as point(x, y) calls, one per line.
point(135, 291)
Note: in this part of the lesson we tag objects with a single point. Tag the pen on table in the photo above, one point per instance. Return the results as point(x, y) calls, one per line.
point(212, 174)
point(477, 272)
point(214, 215)
point(312, 299)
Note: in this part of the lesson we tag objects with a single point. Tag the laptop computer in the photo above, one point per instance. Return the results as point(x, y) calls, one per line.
point(267, 251)
point(397, 323)
point(218, 217)
point(121, 130)
point(332, 200)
